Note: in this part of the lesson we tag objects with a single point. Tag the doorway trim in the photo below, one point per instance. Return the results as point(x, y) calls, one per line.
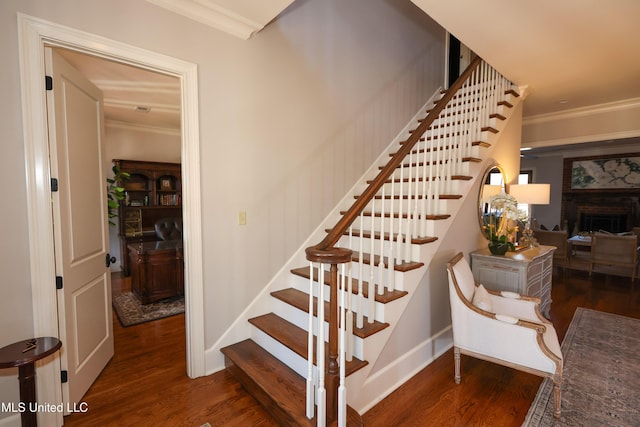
point(33, 35)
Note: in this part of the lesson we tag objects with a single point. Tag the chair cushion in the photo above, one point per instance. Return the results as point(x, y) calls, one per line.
point(481, 299)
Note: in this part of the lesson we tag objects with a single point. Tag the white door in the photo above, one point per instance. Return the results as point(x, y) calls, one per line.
point(81, 234)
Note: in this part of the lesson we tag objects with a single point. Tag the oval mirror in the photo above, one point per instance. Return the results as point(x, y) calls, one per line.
point(493, 183)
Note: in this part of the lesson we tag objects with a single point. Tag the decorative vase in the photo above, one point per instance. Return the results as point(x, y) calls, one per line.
point(498, 248)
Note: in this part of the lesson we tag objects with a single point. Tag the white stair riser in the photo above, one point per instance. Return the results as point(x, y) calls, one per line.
point(281, 352)
point(387, 246)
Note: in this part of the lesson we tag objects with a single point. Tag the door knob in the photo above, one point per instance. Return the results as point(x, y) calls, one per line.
point(110, 260)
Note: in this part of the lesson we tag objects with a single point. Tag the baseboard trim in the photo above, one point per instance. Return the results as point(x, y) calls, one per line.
point(392, 376)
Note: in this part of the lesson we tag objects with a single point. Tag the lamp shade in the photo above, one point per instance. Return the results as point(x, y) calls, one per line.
point(533, 194)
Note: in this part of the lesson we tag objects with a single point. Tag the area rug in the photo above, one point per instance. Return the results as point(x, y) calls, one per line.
point(601, 382)
point(130, 312)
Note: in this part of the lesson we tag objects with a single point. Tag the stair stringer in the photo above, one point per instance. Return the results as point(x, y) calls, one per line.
point(371, 391)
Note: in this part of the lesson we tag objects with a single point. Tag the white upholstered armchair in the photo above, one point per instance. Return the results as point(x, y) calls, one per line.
point(501, 327)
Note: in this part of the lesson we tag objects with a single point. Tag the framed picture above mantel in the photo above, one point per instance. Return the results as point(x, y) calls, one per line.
point(614, 172)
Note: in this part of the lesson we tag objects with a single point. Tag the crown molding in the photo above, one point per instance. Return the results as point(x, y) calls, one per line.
point(132, 105)
point(138, 86)
point(116, 124)
point(213, 15)
point(625, 104)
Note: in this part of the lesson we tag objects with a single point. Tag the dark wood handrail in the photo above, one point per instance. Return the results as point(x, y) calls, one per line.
point(332, 237)
point(326, 253)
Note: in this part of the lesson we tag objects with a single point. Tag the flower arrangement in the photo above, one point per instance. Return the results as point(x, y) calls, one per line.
point(503, 211)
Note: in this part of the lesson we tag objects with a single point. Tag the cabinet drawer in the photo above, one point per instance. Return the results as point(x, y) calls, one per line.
point(535, 268)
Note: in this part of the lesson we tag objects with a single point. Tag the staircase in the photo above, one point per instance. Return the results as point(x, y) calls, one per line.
point(369, 264)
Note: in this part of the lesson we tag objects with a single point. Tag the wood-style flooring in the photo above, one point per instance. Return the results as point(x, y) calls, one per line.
point(145, 383)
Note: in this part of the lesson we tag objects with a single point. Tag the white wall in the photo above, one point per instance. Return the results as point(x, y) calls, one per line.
point(288, 120)
point(547, 170)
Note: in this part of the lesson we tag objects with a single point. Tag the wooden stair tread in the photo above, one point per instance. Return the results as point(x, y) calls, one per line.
point(300, 300)
point(404, 216)
point(423, 164)
point(419, 197)
point(367, 235)
point(276, 386)
point(295, 338)
point(407, 180)
point(404, 267)
point(428, 150)
point(385, 298)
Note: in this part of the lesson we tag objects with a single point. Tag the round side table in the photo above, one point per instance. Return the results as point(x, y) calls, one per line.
point(24, 354)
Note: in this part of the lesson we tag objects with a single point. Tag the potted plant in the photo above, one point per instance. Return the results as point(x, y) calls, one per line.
point(115, 192)
point(503, 209)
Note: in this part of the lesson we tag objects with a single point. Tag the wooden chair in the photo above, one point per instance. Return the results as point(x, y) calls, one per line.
point(614, 251)
point(559, 239)
point(501, 327)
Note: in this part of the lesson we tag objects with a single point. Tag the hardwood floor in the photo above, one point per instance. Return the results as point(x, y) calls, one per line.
point(146, 384)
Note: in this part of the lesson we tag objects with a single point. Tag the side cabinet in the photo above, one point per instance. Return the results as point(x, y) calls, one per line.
point(527, 272)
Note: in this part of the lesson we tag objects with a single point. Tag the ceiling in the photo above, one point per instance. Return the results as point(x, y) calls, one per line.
point(571, 54)
point(132, 96)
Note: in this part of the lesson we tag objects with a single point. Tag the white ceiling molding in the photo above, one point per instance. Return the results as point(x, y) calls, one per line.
point(622, 105)
point(132, 105)
point(116, 124)
point(138, 86)
point(230, 17)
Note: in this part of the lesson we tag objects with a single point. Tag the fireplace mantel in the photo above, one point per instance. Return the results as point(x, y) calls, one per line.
point(614, 219)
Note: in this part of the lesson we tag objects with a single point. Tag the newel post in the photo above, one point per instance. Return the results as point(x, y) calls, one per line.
point(332, 257)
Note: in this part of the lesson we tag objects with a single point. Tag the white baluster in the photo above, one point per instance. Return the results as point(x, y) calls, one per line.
point(407, 233)
point(467, 124)
point(342, 389)
point(381, 267)
point(349, 321)
point(431, 170)
point(415, 181)
point(425, 202)
point(399, 239)
point(391, 258)
point(322, 394)
point(360, 312)
point(437, 172)
point(310, 382)
point(371, 294)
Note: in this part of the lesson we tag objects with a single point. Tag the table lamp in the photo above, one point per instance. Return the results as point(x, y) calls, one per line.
point(532, 194)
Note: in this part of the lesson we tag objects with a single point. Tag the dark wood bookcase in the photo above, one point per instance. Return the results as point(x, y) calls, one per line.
point(153, 192)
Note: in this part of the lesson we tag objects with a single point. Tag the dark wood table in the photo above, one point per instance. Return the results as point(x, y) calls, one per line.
point(157, 270)
point(24, 354)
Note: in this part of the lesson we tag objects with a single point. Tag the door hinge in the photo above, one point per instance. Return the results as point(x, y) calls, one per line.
point(54, 184)
point(59, 282)
point(64, 376)
point(48, 83)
